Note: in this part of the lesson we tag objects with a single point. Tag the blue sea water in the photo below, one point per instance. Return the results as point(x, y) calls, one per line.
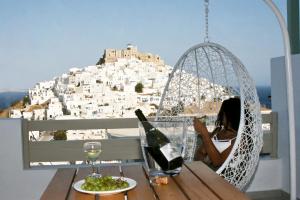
point(7, 98)
point(264, 95)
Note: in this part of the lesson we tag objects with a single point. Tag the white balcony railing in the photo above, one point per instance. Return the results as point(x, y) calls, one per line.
point(126, 148)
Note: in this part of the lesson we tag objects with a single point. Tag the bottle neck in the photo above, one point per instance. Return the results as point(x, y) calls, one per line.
point(140, 115)
point(147, 125)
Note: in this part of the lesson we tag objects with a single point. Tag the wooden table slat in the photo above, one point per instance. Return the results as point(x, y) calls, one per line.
point(110, 171)
point(215, 183)
point(81, 174)
point(143, 188)
point(193, 187)
point(195, 182)
point(169, 191)
point(60, 185)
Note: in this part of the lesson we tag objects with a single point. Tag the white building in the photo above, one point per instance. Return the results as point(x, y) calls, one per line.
point(104, 91)
point(15, 113)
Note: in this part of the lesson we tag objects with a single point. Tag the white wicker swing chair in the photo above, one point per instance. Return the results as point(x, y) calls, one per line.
point(203, 77)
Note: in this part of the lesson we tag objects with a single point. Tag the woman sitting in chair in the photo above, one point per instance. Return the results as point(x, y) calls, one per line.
point(217, 145)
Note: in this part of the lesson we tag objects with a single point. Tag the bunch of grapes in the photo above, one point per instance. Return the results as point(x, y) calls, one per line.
point(104, 183)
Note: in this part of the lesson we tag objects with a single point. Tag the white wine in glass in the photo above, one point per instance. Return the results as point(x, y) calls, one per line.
point(92, 151)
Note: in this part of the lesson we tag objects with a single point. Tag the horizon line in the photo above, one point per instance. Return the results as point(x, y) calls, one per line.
point(13, 90)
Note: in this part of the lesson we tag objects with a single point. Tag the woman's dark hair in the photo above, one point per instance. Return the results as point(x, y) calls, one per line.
point(231, 108)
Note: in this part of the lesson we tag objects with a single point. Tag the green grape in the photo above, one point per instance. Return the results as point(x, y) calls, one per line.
point(105, 183)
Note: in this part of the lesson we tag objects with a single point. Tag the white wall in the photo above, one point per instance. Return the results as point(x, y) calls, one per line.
point(279, 104)
point(268, 176)
point(17, 183)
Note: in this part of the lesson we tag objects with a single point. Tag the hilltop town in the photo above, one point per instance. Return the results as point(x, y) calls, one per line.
point(121, 81)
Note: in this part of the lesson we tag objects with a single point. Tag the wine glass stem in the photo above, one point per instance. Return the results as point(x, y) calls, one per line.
point(93, 167)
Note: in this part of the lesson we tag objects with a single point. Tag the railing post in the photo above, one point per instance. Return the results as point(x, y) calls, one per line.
point(25, 143)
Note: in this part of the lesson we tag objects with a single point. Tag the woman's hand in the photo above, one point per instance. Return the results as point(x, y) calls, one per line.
point(200, 128)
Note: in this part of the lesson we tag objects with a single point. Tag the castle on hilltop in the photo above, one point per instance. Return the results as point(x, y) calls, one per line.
point(111, 55)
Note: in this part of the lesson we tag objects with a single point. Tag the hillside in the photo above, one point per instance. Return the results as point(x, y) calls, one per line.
point(4, 113)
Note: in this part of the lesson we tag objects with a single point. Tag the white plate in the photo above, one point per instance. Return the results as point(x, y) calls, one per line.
point(131, 182)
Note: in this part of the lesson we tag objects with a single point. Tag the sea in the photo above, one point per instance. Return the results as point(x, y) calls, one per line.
point(7, 98)
point(264, 95)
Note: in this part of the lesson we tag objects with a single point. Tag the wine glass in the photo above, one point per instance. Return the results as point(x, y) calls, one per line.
point(92, 151)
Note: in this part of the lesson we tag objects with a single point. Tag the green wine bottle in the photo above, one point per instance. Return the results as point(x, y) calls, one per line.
point(159, 146)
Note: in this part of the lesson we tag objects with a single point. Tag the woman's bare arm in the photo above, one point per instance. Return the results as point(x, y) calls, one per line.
point(200, 153)
point(216, 158)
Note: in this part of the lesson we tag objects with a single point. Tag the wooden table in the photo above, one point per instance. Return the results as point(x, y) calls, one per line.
point(196, 181)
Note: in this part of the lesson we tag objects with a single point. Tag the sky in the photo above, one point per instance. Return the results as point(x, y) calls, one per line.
point(43, 39)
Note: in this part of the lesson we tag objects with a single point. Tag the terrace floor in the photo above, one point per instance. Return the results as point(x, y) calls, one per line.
point(268, 195)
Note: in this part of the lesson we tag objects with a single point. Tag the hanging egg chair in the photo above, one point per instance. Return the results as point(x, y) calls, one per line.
point(205, 76)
